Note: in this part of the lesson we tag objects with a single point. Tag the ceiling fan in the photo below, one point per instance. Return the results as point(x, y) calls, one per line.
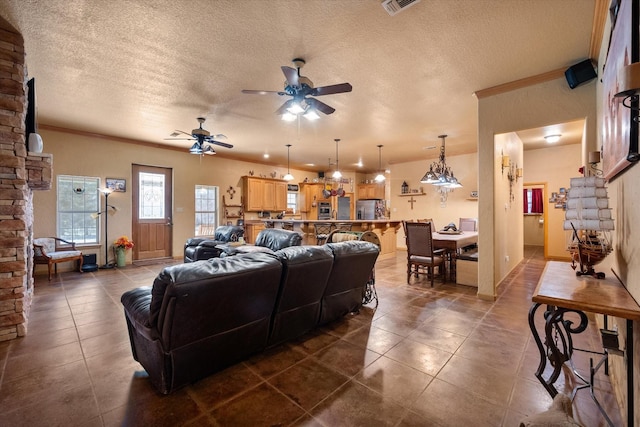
point(301, 89)
point(200, 136)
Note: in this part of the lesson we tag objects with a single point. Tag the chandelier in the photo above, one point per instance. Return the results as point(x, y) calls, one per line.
point(441, 176)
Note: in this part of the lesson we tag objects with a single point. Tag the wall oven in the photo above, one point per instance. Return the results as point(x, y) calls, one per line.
point(324, 210)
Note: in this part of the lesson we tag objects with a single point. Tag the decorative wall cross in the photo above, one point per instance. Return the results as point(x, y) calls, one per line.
point(412, 201)
point(231, 192)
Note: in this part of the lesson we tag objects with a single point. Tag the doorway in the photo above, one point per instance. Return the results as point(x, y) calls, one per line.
point(152, 225)
point(535, 212)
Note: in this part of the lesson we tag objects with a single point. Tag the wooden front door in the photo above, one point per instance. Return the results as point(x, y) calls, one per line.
point(152, 227)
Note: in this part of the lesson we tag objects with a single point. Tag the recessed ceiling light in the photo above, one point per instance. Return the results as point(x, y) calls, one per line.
point(552, 138)
point(265, 155)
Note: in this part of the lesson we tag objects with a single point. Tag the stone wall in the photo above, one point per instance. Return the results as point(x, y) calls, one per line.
point(20, 173)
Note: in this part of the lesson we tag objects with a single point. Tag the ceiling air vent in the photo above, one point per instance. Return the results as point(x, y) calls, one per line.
point(396, 6)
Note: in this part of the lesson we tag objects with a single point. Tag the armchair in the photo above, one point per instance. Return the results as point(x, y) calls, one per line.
point(201, 248)
point(52, 250)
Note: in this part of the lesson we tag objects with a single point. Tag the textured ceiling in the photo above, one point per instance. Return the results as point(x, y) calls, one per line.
point(141, 69)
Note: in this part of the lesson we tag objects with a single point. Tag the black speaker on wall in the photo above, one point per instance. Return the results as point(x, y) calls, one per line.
point(580, 73)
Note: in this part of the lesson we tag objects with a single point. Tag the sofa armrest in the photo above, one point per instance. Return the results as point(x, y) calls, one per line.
point(137, 304)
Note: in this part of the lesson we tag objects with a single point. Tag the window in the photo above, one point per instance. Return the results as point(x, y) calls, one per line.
point(206, 210)
point(292, 201)
point(151, 204)
point(532, 201)
point(78, 203)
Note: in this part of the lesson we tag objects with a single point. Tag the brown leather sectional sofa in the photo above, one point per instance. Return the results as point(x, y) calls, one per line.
point(201, 317)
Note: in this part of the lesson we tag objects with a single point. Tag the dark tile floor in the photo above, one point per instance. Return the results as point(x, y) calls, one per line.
point(426, 356)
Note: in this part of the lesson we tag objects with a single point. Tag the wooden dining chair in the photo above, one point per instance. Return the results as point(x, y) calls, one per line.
point(433, 224)
point(421, 256)
point(468, 224)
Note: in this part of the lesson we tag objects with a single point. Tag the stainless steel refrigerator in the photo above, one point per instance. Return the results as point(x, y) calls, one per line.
point(370, 209)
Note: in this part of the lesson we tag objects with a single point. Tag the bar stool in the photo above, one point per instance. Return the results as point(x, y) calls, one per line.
point(343, 226)
point(322, 231)
point(287, 225)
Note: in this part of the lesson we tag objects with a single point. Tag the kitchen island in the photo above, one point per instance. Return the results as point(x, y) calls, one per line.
point(385, 229)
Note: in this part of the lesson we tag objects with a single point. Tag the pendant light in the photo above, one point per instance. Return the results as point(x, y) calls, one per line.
point(288, 176)
point(337, 174)
point(380, 177)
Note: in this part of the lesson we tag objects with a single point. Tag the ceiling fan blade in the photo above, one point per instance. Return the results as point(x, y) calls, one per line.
point(177, 132)
point(262, 92)
point(179, 139)
point(222, 144)
point(328, 90)
point(219, 136)
point(292, 75)
point(320, 106)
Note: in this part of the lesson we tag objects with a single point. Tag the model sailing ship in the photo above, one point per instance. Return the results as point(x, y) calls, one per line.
point(588, 216)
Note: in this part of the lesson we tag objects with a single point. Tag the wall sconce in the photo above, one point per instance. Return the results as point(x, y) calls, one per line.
point(629, 79)
point(594, 159)
point(518, 173)
point(505, 162)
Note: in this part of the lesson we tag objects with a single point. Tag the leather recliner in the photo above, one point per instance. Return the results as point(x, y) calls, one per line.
point(201, 248)
point(268, 240)
point(352, 264)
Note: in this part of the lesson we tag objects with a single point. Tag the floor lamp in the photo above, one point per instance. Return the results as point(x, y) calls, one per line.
point(106, 192)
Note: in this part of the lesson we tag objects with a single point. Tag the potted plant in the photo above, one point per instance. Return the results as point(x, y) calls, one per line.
point(121, 245)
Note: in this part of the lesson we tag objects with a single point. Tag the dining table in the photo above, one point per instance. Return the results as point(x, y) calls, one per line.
point(453, 243)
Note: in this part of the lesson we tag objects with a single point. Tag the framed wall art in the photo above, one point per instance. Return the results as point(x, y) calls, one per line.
point(117, 184)
point(619, 123)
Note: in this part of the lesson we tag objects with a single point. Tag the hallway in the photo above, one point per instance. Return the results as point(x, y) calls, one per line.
point(426, 356)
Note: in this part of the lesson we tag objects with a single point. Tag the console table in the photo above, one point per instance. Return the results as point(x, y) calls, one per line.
point(563, 292)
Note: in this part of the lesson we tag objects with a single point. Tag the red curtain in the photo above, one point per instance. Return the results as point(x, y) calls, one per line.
point(536, 200)
point(525, 201)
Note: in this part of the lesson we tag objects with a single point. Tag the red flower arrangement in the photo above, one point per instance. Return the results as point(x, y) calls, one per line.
point(123, 242)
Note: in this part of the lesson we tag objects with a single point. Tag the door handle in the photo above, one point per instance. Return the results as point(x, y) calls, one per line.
point(170, 224)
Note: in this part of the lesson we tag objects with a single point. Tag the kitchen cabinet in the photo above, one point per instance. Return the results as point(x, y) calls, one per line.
point(251, 230)
point(370, 191)
point(264, 194)
point(311, 194)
